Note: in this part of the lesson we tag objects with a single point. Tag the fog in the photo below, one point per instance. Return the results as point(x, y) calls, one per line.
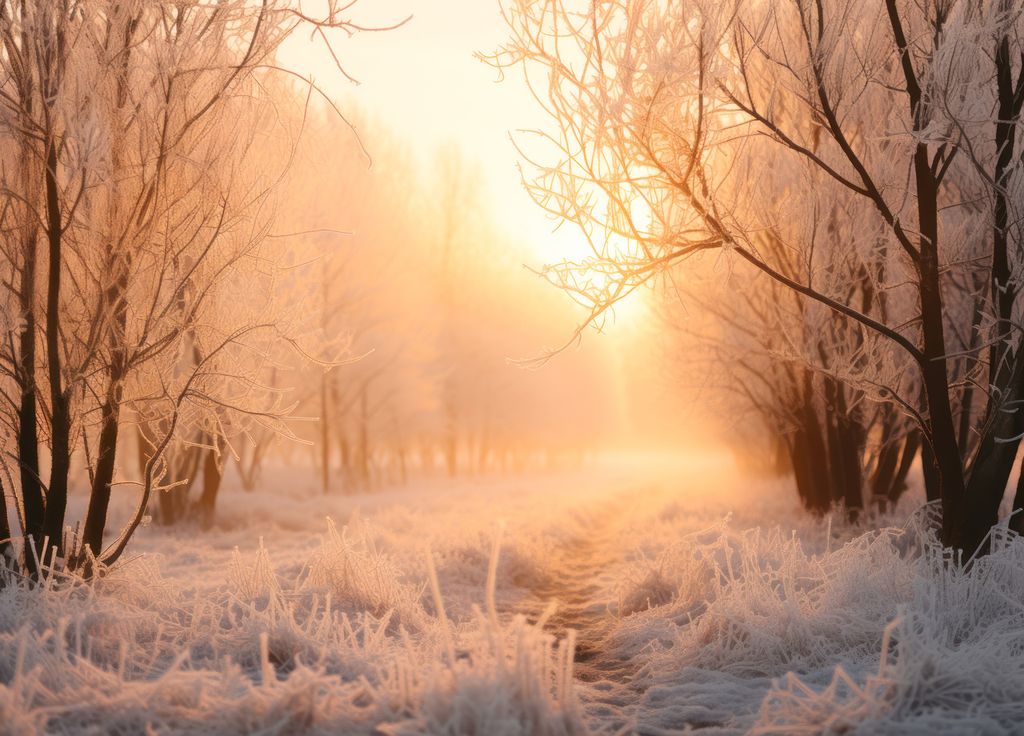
point(511, 368)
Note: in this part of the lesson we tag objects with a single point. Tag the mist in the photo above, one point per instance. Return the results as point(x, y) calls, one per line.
point(519, 368)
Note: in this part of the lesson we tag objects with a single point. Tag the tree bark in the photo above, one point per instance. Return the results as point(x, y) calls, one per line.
point(99, 499)
point(911, 446)
point(884, 478)
point(810, 457)
point(173, 502)
point(116, 305)
point(5, 529)
point(1017, 518)
point(212, 476)
point(60, 404)
point(990, 471)
point(28, 439)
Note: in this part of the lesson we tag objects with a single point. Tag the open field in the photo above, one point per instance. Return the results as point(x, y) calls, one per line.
point(622, 598)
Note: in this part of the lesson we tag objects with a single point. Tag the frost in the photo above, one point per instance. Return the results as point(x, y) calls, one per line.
point(642, 608)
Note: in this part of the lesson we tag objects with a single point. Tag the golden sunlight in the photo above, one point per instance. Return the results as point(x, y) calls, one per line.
point(511, 367)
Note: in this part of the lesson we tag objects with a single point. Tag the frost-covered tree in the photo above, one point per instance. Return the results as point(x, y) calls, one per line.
point(778, 365)
point(401, 261)
point(688, 127)
point(140, 156)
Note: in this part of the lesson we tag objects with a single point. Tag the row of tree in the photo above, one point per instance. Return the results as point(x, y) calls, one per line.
point(139, 153)
point(433, 302)
point(198, 258)
point(858, 165)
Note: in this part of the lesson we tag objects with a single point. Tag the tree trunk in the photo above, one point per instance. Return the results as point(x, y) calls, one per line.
point(884, 478)
point(364, 440)
point(956, 529)
point(801, 468)
point(28, 440)
point(403, 471)
point(993, 463)
point(930, 471)
point(1017, 518)
point(60, 404)
point(5, 530)
point(116, 305)
point(911, 445)
point(345, 455)
point(212, 476)
point(174, 502)
point(956, 532)
point(810, 458)
point(325, 438)
point(249, 468)
point(990, 474)
point(99, 499)
point(850, 451)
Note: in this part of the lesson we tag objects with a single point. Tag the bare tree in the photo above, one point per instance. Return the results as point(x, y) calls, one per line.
point(686, 127)
point(128, 137)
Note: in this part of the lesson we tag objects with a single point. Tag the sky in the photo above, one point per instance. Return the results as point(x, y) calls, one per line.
point(424, 81)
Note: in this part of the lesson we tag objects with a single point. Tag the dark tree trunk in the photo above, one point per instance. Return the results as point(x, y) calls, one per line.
point(173, 503)
point(212, 476)
point(99, 499)
point(5, 529)
point(801, 468)
point(1017, 518)
point(33, 503)
point(956, 530)
point(993, 463)
point(990, 475)
point(945, 459)
point(837, 484)
point(849, 435)
point(884, 478)
point(249, 466)
point(60, 423)
point(930, 471)
point(810, 459)
point(844, 450)
point(911, 445)
point(116, 306)
point(28, 440)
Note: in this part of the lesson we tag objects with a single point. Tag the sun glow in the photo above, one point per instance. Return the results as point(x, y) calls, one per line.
point(659, 394)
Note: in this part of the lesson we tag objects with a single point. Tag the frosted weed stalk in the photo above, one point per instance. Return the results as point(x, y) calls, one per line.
point(361, 578)
point(131, 653)
point(492, 679)
point(951, 661)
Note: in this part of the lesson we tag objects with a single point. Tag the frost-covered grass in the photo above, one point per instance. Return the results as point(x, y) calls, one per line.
point(266, 625)
point(344, 647)
point(398, 613)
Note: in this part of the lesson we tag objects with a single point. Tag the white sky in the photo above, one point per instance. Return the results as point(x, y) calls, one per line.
point(423, 81)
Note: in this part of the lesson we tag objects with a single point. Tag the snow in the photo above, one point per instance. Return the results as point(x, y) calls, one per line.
point(641, 595)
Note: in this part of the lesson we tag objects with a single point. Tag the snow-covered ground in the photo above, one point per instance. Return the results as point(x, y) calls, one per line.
point(641, 595)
